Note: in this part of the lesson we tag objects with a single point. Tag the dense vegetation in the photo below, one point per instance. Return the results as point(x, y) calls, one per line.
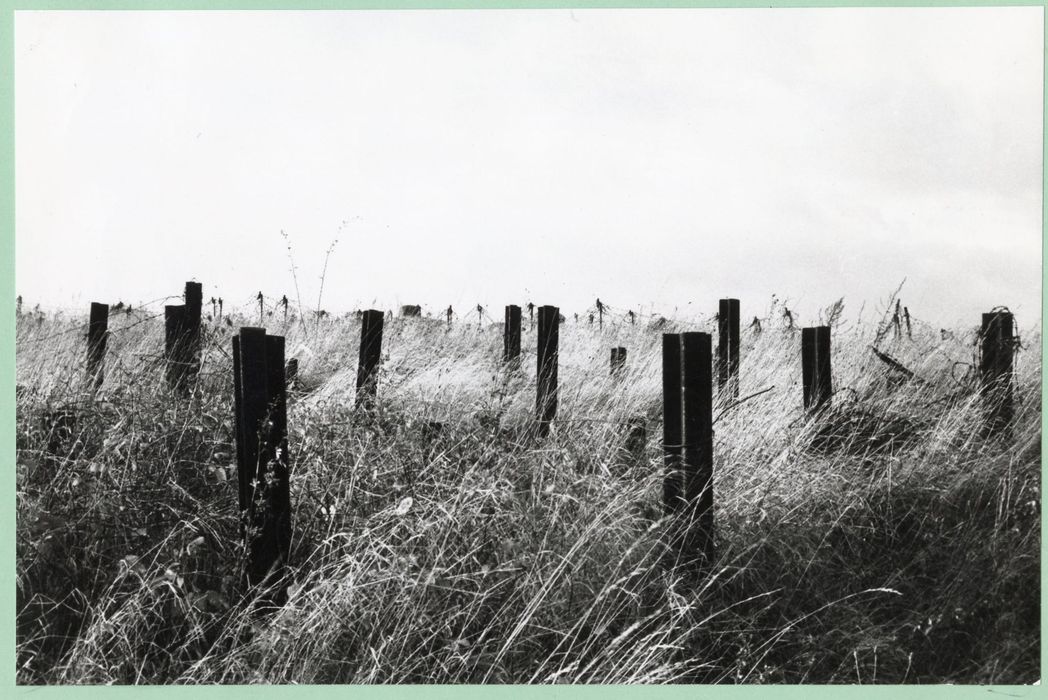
point(886, 541)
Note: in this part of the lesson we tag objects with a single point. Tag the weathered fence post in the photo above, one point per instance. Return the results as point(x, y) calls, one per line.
point(546, 389)
point(175, 345)
point(618, 360)
point(370, 352)
point(194, 296)
point(511, 334)
point(728, 348)
point(687, 386)
point(260, 413)
point(97, 328)
point(997, 344)
point(815, 366)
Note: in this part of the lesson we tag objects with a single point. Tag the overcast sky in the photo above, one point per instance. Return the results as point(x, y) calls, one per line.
point(651, 158)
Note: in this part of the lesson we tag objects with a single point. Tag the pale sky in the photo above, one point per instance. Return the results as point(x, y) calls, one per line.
point(653, 158)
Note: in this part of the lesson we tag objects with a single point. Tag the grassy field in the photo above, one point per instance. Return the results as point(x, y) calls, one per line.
point(886, 542)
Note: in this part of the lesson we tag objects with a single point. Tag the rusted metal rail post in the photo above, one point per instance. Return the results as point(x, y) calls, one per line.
point(97, 331)
point(546, 389)
point(618, 361)
point(371, 322)
point(728, 348)
point(997, 345)
point(260, 416)
point(815, 367)
point(687, 383)
point(511, 334)
point(194, 296)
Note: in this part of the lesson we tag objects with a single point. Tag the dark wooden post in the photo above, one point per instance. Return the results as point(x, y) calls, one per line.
point(175, 345)
point(291, 374)
point(194, 296)
point(618, 360)
point(97, 328)
point(687, 383)
point(511, 334)
point(546, 390)
point(260, 416)
point(815, 366)
point(997, 341)
point(371, 322)
point(728, 348)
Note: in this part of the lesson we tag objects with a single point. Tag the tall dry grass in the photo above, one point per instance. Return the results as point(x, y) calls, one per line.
point(886, 542)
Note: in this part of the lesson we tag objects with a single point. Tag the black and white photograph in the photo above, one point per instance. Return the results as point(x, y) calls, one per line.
point(528, 346)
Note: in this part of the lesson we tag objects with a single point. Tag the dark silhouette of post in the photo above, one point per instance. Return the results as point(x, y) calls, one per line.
point(371, 322)
point(175, 346)
point(511, 334)
point(815, 366)
point(728, 348)
point(546, 390)
point(618, 360)
point(194, 296)
point(997, 344)
point(687, 385)
point(97, 329)
point(260, 417)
